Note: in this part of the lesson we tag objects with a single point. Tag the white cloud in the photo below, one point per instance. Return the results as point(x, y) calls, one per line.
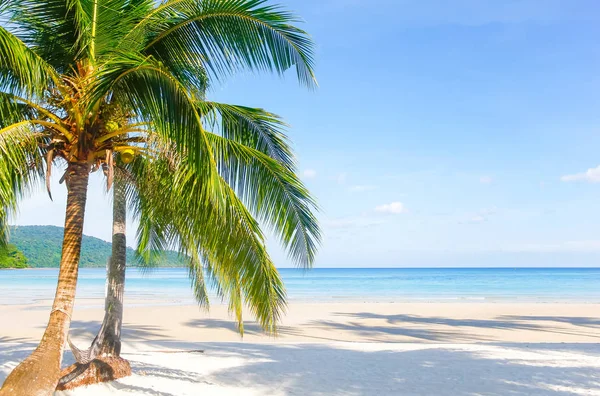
point(486, 180)
point(362, 188)
point(592, 175)
point(391, 208)
point(310, 174)
point(341, 178)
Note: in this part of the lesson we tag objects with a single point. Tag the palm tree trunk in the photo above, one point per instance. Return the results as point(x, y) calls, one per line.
point(110, 344)
point(39, 373)
point(103, 362)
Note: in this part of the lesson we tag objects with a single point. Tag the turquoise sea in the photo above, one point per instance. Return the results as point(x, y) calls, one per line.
point(171, 285)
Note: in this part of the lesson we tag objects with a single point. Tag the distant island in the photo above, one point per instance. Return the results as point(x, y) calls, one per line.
point(40, 247)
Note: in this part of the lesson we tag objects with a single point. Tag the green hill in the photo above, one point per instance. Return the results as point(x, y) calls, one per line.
point(42, 246)
point(12, 257)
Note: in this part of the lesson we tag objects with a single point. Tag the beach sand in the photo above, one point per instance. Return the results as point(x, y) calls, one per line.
point(338, 349)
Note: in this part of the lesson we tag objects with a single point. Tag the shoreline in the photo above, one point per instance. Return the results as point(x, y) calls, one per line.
point(367, 268)
point(171, 286)
point(97, 302)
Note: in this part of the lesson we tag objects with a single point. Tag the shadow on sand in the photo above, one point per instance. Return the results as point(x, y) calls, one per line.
point(372, 327)
point(369, 333)
point(456, 328)
point(358, 369)
point(342, 369)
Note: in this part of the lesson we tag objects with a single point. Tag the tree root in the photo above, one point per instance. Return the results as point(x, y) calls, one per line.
point(101, 369)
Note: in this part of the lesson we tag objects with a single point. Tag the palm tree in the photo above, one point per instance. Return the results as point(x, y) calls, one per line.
point(142, 186)
point(82, 80)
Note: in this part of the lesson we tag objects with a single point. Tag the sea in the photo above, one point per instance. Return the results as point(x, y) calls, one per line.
point(172, 285)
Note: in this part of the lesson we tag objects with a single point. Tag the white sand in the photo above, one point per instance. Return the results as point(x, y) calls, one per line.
point(352, 369)
point(342, 349)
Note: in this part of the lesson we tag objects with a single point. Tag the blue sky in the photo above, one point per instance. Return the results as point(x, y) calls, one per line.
point(439, 136)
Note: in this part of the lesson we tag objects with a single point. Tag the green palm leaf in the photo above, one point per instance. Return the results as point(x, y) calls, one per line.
point(21, 69)
point(224, 36)
point(201, 226)
point(274, 192)
point(21, 167)
point(143, 84)
point(255, 128)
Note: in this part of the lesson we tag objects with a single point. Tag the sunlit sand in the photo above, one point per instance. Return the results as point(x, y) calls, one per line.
point(343, 349)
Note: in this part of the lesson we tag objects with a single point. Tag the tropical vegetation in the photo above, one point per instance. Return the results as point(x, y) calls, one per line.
point(12, 257)
point(41, 246)
point(88, 83)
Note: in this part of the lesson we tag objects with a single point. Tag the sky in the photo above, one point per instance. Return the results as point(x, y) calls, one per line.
point(439, 136)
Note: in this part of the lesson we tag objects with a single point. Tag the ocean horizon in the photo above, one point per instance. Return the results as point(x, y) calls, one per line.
point(172, 285)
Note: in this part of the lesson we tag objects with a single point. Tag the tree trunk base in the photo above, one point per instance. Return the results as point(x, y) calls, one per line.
point(102, 369)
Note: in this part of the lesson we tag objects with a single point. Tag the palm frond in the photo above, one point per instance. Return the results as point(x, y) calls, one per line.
point(12, 112)
point(224, 36)
point(21, 170)
point(196, 273)
point(114, 20)
point(274, 193)
point(21, 69)
point(57, 30)
point(160, 100)
point(255, 128)
point(222, 232)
